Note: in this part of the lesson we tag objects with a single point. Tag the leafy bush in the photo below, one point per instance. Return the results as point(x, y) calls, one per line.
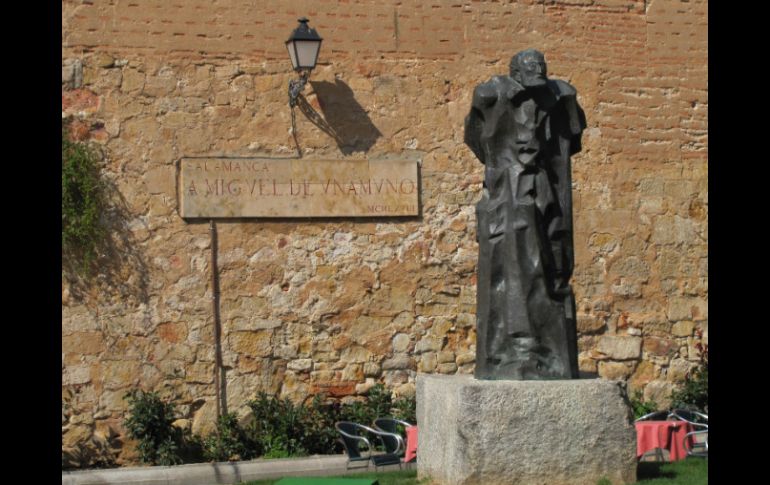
point(149, 422)
point(321, 436)
point(640, 406)
point(378, 404)
point(282, 428)
point(694, 394)
point(405, 408)
point(278, 427)
point(82, 201)
point(229, 442)
point(160, 443)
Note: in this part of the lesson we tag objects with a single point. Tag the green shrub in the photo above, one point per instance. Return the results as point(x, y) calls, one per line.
point(82, 202)
point(405, 408)
point(640, 406)
point(149, 422)
point(282, 428)
point(357, 412)
point(229, 442)
point(321, 436)
point(278, 426)
point(160, 443)
point(378, 404)
point(694, 394)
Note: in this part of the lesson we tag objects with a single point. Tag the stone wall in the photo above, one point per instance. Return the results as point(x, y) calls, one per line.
point(335, 306)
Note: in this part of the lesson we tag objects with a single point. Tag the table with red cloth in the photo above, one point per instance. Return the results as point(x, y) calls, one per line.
point(411, 444)
point(668, 435)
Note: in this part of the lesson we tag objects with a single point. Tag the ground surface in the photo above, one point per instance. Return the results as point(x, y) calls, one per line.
point(686, 472)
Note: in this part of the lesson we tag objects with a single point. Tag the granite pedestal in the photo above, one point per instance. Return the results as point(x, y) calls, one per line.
point(565, 432)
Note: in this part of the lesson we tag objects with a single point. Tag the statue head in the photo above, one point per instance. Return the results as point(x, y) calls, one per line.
point(528, 68)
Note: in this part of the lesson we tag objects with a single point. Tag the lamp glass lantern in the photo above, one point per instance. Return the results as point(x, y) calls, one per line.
point(303, 46)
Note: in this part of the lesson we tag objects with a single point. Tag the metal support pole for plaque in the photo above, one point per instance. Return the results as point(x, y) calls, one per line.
point(221, 407)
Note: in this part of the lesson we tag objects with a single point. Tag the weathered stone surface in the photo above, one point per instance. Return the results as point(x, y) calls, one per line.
point(446, 356)
point(620, 348)
point(465, 358)
point(429, 344)
point(160, 180)
point(561, 432)
point(687, 309)
point(251, 343)
point(400, 342)
point(590, 323)
point(428, 362)
point(220, 187)
point(72, 73)
point(398, 362)
point(204, 421)
point(352, 372)
point(660, 347)
point(300, 365)
point(660, 392)
point(682, 329)
point(200, 372)
point(614, 370)
point(678, 369)
point(79, 102)
point(405, 390)
point(644, 373)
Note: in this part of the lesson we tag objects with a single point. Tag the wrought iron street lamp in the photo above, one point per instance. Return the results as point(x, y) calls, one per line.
point(303, 46)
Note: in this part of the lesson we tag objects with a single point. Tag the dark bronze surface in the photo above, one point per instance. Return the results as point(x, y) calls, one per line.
point(524, 127)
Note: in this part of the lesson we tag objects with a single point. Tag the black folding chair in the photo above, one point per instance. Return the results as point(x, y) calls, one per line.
point(354, 434)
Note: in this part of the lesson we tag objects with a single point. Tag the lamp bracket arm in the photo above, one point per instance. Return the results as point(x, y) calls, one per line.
point(296, 86)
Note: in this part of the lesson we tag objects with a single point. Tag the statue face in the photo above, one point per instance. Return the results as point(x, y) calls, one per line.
point(529, 69)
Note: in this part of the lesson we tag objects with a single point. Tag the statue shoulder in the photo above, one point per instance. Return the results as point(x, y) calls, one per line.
point(566, 96)
point(489, 92)
point(562, 89)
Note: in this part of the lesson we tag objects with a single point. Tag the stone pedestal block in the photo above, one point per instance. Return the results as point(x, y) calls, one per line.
point(567, 432)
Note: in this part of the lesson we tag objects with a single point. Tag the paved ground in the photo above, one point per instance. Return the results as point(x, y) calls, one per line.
point(218, 473)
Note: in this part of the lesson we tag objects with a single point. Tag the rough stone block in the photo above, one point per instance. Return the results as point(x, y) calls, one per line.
point(568, 432)
point(620, 348)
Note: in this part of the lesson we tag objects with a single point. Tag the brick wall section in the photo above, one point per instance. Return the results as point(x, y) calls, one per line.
point(335, 306)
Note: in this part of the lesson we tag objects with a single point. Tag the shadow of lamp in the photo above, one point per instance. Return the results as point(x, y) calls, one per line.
point(303, 46)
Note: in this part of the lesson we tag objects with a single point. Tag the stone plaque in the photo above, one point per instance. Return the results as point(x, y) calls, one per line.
point(270, 187)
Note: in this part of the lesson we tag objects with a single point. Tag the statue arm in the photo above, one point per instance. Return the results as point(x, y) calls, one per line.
point(484, 97)
point(575, 116)
point(473, 126)
point(577, 123)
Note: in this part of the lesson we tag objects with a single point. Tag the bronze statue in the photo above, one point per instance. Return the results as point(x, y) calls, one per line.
point(524, 128)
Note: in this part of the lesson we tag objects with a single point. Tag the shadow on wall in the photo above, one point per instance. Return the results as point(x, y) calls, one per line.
point(343, 118)
point(121, 265)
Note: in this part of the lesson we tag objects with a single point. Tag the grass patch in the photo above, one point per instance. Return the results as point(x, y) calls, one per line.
point(692, 471)
point(400, 477)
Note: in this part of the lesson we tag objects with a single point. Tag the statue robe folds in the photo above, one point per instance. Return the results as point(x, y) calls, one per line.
point(525, 306)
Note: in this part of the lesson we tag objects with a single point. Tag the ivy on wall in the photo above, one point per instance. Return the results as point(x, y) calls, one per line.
point(82, 202)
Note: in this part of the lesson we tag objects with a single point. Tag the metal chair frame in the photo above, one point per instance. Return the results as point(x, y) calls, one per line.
point(349, 431)
point(390, 425)
point(693, 415)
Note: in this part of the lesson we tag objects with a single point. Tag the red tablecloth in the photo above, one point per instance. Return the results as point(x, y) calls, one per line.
point(668, 435)
point(411, 444)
